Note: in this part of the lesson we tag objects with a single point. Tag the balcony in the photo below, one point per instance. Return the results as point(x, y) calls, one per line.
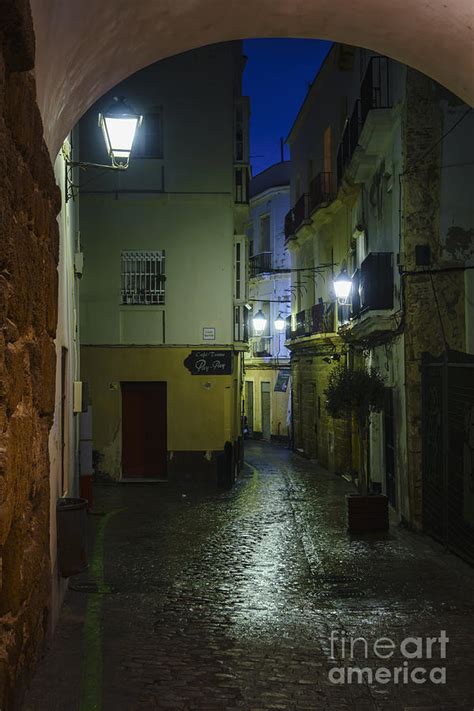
point(298, 215)
point(320, 318)
point(375, 90)
point(369, 124)
point(260, 264)
point(350, 137)
point(321, 192)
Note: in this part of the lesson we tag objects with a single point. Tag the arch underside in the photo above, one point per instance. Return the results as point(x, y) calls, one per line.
point(83, 49)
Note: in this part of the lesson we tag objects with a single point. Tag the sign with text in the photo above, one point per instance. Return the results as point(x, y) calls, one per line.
point(209, 362)
point(208, 333)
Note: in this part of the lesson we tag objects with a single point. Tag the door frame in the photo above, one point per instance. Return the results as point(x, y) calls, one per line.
point(143, 382)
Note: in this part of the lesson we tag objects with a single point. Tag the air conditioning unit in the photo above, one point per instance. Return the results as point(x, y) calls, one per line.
point(376, 281)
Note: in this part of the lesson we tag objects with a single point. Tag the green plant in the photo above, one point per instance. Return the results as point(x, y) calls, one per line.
point(360, 392)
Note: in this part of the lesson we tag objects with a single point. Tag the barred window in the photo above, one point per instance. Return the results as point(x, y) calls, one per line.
point(143, 277)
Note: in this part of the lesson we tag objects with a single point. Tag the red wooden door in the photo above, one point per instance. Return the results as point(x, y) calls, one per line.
point(144, 430)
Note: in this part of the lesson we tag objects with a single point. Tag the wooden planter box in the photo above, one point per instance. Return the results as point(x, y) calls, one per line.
point(367, 513)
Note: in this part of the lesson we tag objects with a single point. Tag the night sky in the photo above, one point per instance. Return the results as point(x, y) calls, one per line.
point(276, 78)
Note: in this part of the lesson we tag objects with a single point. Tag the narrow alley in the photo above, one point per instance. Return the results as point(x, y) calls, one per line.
point(212, 599)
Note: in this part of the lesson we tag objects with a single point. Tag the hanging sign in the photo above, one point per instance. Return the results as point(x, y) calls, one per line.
point(209, 362)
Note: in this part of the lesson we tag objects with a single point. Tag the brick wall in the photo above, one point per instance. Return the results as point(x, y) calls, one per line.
point(29, 202)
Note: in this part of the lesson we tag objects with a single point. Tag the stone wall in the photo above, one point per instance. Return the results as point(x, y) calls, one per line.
point(29, 202)
point(319, 436)
point(425, 329)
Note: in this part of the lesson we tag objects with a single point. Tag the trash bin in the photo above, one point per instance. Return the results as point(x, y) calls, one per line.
point(71, 518)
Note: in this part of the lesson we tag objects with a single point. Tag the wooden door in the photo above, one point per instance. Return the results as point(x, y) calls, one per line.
point(144, 441)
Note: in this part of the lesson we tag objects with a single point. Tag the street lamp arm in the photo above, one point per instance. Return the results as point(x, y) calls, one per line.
point(71, 164)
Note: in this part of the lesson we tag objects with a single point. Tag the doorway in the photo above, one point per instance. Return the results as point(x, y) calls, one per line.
point(249, 386)
point(265, 403)
point(389, 446)
point(144, 421)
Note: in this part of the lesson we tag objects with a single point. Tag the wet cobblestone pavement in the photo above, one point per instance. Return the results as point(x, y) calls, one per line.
point(227, 600)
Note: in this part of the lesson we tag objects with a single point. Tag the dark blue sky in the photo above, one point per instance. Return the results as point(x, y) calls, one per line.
point(276, 78)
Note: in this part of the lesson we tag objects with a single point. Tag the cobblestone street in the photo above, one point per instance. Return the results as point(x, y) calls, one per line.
point(227, 600)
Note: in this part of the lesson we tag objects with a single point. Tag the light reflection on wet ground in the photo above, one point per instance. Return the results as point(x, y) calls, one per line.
point(226, 600)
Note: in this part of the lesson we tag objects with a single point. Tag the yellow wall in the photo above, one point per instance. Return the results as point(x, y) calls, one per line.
point(201, 409)
point(278, 401)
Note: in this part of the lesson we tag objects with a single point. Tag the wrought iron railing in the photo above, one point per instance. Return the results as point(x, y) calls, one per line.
point(349, 140)
point(320, 318)
point(375, 93)
point(375, 90)
point(260, 263)
point(298, 214)
point(321, 190)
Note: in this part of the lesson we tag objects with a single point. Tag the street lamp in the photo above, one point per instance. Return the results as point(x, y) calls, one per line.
point(342, 286)
point(119, 125)
point(259, 322)
point(279, 322)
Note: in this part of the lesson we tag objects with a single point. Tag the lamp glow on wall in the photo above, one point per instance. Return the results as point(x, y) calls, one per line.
point(279, 322)
point(259, 322)
point(119, 126)
point(342, 286)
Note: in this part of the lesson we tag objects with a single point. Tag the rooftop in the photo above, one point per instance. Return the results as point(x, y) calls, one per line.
point(275, 176)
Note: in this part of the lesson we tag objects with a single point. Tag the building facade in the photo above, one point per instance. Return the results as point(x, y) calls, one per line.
point(267, 375)
point(162, 299)
point(380, 191)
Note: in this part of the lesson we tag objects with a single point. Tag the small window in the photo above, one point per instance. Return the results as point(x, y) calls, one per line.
point(143, 278)
point(238, 270)
point(149, 139)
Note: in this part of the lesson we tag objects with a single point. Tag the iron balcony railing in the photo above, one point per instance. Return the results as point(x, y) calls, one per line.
point(298, 214)
point(375, 93)
point(260, 263)
point(349, 140)
point(375, 90)
point(321, 190)
point(320, 318)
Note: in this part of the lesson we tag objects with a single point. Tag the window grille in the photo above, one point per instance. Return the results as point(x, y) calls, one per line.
point(143, 278)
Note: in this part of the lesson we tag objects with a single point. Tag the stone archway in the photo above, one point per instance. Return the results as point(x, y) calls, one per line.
point(83, 49)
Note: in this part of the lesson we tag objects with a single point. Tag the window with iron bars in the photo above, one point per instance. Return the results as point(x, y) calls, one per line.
point(143, 278)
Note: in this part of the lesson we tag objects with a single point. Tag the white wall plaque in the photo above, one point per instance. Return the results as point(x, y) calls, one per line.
point(208, 333)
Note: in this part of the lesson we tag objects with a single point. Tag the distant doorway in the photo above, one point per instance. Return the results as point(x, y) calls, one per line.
point(144, 440)
point(249, 387)
point(389, 447)
point(265, 401)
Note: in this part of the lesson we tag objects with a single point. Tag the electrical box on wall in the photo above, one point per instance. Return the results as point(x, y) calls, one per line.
point(79, 264)
point(77, 397)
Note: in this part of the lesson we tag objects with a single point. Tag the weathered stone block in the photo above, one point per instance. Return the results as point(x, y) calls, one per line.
point(17, 35)
point(16, 361)
point(43, 373)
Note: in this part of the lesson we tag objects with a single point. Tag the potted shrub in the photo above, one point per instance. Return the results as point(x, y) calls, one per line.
point(359, 392)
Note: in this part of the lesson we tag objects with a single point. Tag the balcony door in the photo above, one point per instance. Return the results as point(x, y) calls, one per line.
point(144, 423)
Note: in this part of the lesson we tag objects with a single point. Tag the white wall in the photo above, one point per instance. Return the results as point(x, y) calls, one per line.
point(66, 337)
point(266, 290)
point(182, 203)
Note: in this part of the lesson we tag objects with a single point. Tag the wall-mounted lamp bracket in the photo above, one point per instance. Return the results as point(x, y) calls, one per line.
point(70, 186)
